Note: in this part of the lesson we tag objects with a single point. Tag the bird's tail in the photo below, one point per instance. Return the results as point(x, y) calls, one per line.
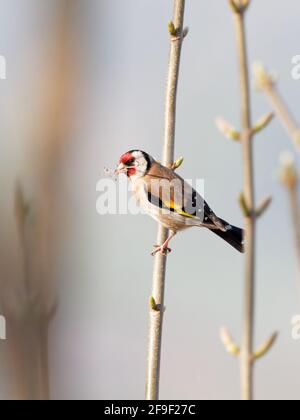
point(234, 236)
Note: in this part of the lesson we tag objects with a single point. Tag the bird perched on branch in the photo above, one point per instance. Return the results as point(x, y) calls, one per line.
point(171, 201)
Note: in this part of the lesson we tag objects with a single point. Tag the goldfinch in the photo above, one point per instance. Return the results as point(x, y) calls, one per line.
point(171, 201)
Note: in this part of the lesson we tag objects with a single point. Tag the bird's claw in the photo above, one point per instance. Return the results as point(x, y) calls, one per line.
point(161, 249)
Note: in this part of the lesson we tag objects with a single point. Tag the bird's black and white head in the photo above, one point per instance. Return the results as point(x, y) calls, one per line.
point(135, 164)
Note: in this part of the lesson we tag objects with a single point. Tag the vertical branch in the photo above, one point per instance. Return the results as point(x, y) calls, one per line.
point(290, 179)
point(159, 272)
point(250, 219)
point(30, 303)
point(44, 358)
point(246, 353)
point(295, 213)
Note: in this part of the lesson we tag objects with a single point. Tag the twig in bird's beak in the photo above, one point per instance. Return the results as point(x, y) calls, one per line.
point(121, 169)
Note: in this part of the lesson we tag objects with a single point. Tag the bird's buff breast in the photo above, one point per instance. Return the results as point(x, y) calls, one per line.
point(167, 218)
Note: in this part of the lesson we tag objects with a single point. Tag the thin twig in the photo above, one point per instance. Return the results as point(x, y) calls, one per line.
point(159, 273)
point(246, 352)
point(44, 362)
point(284, 115)
point(295, 212)
point(290, 179)
point(250, 221)
point(30, 318)
point(266, 83)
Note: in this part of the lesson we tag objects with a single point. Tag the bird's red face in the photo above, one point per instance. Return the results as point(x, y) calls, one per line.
point(135, 164)
point(127, 164)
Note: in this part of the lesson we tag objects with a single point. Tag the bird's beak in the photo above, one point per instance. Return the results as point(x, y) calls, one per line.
point(121, 169)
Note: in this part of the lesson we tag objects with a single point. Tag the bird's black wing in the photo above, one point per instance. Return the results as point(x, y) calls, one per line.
point(210, 217)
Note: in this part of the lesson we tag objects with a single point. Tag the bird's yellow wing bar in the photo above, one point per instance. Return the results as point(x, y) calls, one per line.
point(174, 207)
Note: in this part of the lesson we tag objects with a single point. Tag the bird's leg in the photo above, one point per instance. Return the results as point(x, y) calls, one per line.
point(164, 248)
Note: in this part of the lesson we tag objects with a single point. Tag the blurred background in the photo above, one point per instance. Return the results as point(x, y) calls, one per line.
point(85, 83)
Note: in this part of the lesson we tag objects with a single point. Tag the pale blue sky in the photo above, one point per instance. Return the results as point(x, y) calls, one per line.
point(99, 339)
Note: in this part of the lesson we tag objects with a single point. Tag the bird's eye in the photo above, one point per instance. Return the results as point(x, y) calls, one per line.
point(130, 162)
